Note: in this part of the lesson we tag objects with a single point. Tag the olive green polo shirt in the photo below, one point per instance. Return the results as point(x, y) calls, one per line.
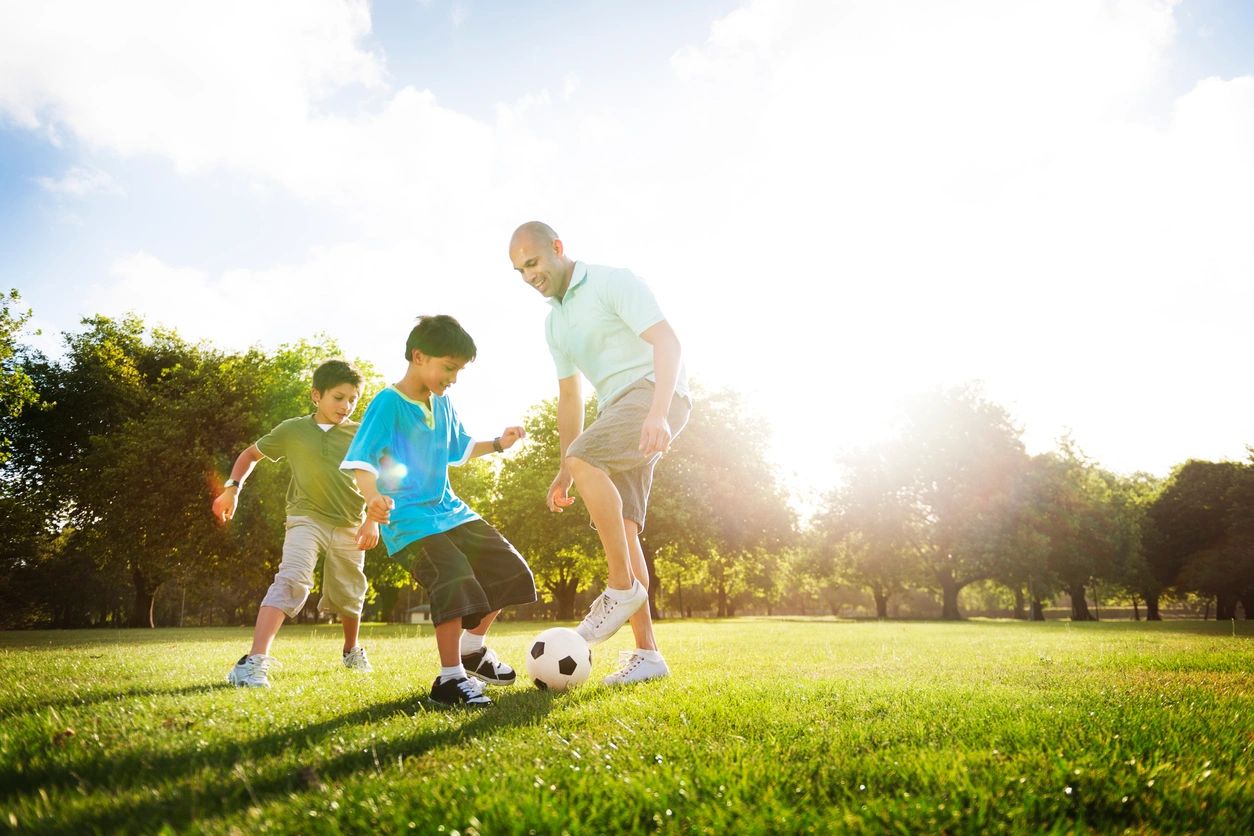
point(318, 489)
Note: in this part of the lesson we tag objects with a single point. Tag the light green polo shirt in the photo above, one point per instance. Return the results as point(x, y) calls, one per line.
point(595, 329)
point(318, 489)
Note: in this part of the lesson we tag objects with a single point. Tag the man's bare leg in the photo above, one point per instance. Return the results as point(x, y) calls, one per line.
point(642, 621)
point(605, 507)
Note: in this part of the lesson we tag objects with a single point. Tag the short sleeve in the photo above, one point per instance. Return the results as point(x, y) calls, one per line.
point(273, 445)
point(561, 360)
point(374, 435)
point(460, 443)
point(630, 298)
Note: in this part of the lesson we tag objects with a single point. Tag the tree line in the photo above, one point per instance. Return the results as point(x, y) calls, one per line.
point(111, 452)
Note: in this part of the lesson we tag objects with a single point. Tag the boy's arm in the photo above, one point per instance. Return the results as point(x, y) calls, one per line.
point(504, 441)
point(569, 426)
point(655, 434)
point(225, 502)
point(378, 507)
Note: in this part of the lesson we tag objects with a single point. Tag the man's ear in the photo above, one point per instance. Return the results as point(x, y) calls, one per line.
point(559, 247)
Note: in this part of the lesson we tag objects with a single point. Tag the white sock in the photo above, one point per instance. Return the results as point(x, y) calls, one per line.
point(455, 672)
point(470, 642)
point(621, 595)
point(649, 655)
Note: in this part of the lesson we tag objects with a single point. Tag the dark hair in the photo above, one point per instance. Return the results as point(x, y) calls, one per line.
point(334, 372)
point(440, 336)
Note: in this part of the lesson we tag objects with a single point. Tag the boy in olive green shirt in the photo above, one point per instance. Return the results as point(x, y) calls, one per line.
point(325, 515)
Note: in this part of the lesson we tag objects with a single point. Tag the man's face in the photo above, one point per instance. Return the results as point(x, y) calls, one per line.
point(438, 373)
point(336, 404)
point(541, 265)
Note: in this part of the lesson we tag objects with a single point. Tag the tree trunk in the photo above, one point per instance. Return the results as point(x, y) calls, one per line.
point(1038, 610)
point(680, 588)
point(722, 600)
point(1151, 608)
point(1136, 609)
point(564, 592)
point(1225, 606)
point(655, 585)
point(950, 587)
point(145, 599)
point(1079, 606)
point(1021, 611)
point(881, 603)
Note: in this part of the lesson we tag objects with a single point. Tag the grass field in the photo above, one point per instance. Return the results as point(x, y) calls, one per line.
point(768, 725)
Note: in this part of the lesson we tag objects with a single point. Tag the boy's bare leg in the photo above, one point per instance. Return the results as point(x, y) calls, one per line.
point(269, 620)
point(642, 620)
point(448, 636)
point(482, 629)
point(605, 507)
point(352, 627)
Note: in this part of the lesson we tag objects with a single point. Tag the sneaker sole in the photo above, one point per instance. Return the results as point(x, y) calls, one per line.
point(456, 705)
point(490, 681)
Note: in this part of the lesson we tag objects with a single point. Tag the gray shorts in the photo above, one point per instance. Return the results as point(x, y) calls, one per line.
point(343, 570)
point(612, 443)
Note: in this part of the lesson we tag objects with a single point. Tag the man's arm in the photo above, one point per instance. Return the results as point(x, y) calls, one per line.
point(655, 435)
point(569, 426)
point(225, 502)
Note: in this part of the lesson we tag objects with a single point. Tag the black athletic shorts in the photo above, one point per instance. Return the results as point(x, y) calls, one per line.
point(468, 572)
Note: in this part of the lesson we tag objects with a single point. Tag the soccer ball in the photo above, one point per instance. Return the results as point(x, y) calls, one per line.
point(559, 658)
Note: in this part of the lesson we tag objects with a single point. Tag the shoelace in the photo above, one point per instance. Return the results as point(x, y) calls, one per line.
point(627, 660)
point(260, 664)
point(601, 607)
point(470, 687)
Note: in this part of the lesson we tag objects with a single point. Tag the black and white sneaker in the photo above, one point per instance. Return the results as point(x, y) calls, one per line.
point(483, 664)
point(460, 691)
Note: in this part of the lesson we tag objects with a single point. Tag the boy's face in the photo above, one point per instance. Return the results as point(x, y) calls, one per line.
point(336, 404)
point(437, 373)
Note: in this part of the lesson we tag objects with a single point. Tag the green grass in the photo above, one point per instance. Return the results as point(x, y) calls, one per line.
point(768, 725)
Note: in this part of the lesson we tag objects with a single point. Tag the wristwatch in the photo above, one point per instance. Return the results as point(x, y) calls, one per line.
point(496, 445)
point(230, 483)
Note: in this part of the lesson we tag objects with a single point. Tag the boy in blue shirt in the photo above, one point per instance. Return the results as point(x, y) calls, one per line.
point(400, 457)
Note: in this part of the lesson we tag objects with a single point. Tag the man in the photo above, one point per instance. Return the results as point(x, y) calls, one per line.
point(606, 324)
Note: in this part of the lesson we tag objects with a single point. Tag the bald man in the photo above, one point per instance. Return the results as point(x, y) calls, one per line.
point(605, 323)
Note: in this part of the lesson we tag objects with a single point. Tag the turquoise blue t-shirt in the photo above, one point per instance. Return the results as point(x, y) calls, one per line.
point(409, 449)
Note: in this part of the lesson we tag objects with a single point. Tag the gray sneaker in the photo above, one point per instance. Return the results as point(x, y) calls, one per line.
point(251, 671)
point(355, 660)
point(606, 615)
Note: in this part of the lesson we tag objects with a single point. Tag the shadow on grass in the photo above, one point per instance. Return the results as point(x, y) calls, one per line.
point(235, 786)
point(107, 693)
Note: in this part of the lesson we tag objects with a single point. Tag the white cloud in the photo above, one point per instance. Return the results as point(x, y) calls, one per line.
point(838, 203)
point(80, 181)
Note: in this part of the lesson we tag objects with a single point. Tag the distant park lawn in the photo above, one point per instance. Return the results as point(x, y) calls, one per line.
point(768, 725)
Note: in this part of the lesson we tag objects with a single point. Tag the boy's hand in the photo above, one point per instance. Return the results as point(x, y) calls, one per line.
point(224, 505)
point(559, 498)
point(379, 508)
point(655, 435)
point(512, 436)
point(368, 535)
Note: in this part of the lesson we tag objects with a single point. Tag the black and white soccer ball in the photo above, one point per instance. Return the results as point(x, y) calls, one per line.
point(558, 659)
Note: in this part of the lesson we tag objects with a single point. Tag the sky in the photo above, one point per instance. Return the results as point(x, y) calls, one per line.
point(838, 204)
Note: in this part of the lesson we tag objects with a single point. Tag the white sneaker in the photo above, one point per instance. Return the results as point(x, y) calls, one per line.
point(636, 668)
point(606, 615)
point(355, 660)
point(251, 671)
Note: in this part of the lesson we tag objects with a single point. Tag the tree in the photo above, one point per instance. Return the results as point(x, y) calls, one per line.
point(563, 550)
point(958, 461)
point(870, 527)
point(716, 498)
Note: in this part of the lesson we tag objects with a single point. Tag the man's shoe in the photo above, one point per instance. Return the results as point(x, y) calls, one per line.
point(355, 660)
point(636, 668)
point(484, 665)
point(460, 691)
point(606, 615)
point(251, 671)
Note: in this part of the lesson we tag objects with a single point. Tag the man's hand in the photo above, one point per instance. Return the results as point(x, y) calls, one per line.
point(368, 535)
point(224, 505)
point(559, 492)
point(379, 508)
point(512, 436)
point(655, 435)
